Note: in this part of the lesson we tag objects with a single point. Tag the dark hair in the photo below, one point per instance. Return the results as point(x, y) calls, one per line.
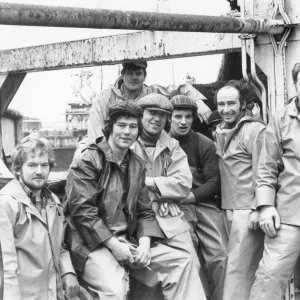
point(295, 72)
point(111, 120)
point(132, 67)
point(246, 93)
point(195, 115)
point(31, 144)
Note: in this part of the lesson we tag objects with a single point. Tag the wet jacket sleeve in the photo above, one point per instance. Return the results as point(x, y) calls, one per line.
point(183, 89)
point(9, 254)
point(176, 183)
point(147, 223)
point(98, 114)
point(270, 159)
point(82, 192)
point(65, 263)
point(253, 140)
point(211, 174)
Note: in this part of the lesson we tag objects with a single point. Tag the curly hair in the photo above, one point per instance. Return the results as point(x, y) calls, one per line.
point(111, 120)
point(295, 72)
point(246, 93)
point(31, 144)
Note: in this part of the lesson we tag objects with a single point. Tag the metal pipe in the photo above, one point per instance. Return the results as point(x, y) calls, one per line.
point(38, 15)
point(257, 80)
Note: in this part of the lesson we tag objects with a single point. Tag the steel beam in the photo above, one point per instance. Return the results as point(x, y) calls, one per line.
point(38, 15)
point(9, 86)
point(115, 49)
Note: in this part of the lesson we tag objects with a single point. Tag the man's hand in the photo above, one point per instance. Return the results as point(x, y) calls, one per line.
point(120, 251)
point(70, 285)
point(143, 257)
point(269, 220)
point(174, 209)
point(163, 209)
point(203, 111)
point(253, 220)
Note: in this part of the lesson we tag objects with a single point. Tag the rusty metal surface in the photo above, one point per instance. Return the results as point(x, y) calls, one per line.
point(38, 15)
point(8, 89)
point(115, 49)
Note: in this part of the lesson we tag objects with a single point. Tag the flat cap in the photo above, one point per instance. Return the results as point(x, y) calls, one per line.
point(139, 63)
point(214, 118)
point(125, 107)
point(181, 101)
point(156, 102)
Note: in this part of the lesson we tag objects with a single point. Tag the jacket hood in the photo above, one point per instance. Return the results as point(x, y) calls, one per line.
point(224, 136)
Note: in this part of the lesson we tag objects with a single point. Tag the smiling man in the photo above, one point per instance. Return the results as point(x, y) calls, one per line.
point(200, 207)
point(31, 229)
point(239, 139)
point(130, 87)
point(110, 207)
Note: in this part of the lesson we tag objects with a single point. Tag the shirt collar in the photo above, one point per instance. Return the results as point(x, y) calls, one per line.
point(45, 193)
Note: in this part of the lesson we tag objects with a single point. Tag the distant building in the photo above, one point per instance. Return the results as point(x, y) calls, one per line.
point(78, 113)
point(31, 124)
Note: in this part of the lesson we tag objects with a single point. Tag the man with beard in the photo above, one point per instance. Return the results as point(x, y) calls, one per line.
point(168, 176)
point(35, 266)
point(131, 87)
point(200, 207)
point(238, 139)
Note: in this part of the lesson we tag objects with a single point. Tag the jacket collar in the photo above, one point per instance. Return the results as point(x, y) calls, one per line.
point(224, 135)
point(118, 90)
point(292, 109)
point(14, 190)
point(103, 145)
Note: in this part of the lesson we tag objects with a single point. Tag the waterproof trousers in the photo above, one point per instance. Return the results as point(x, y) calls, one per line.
point(173, 270)
point(277, 265)
point(244, 251)
point(212, 237)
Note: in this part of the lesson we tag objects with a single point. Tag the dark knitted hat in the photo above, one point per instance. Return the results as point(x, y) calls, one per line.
point(126, 108)
point(181, 101)
point(156, 102)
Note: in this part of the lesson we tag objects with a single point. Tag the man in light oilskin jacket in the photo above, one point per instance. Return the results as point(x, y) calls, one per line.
point(35, 266)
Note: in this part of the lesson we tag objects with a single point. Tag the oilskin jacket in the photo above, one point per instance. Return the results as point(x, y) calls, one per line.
point(238, 150)
point(94, 194)
point(172, 176)
point(105, 98)
point(32, 253)
point(278, 176)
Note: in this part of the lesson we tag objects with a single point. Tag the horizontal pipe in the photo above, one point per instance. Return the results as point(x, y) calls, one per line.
point(53, 16)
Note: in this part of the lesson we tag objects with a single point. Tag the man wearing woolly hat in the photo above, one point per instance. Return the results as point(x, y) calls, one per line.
point(201, 207)
point(169, 181)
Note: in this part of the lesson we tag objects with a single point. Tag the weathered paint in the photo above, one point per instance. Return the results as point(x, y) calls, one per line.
point(38, 15)
point(115, 49)
point(8, 89)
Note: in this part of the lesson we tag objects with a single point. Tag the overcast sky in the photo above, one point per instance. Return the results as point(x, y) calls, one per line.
point(45, 94)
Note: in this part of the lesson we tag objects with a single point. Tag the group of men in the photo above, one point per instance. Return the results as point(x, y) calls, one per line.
point(194, 217)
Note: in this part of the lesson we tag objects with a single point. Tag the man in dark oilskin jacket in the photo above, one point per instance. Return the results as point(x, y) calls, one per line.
point(201, 207)
point(110, 209)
